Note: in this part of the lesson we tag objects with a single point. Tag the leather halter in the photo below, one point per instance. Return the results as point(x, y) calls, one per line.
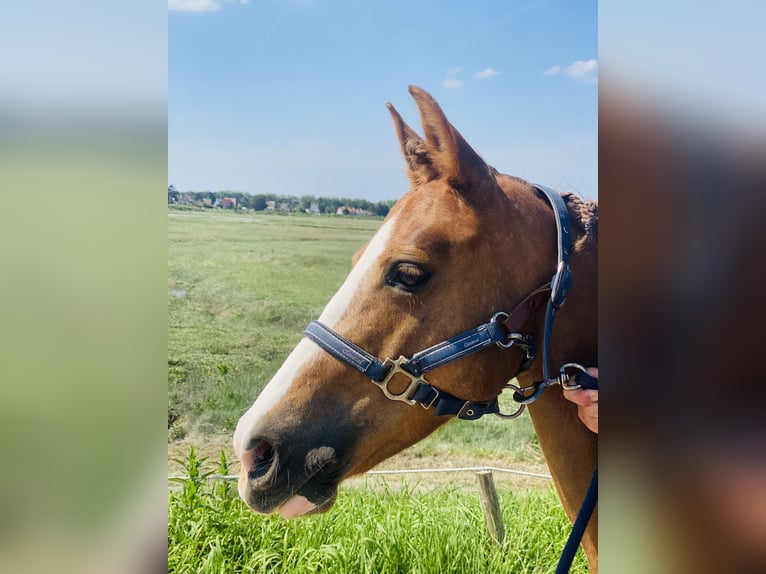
point(503, 329)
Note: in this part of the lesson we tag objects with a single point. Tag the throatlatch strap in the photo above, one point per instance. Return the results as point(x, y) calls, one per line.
point(562, 279)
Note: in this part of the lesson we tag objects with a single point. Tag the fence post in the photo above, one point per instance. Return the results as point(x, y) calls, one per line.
point(490, 504)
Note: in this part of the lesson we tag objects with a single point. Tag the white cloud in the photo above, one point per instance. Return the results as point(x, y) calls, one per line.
point(455, 70)
point(193, 5)
point(583, 69)
point(486, 73)
point(451, 83)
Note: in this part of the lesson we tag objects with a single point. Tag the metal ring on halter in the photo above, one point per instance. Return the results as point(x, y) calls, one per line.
point(502, 316)
point(518, 411)
point(524, 342)
point(521, 398)
point(497, 317)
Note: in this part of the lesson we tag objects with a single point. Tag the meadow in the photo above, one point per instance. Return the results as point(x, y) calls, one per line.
point(241, 288)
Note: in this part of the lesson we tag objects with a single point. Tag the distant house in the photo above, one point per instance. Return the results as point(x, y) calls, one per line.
point(271, 205)
point(228, 203)
point(350, 210)
point(313, 208)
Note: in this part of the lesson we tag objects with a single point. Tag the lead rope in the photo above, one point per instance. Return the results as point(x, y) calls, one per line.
point(578, 528)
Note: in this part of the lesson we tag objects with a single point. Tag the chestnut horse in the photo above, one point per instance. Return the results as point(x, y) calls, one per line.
point(462, 244)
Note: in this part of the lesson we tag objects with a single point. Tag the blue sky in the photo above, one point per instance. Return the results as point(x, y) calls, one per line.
point(288, 96)
point(702, 59)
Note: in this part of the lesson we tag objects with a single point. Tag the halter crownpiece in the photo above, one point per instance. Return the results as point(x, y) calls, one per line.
point(501, 330)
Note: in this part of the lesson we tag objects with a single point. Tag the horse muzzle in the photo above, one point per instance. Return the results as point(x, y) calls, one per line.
point(290, 481)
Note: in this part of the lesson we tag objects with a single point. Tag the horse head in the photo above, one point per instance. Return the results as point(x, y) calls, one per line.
point(463, 243)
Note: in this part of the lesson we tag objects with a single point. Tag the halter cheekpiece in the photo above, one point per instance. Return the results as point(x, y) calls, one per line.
point(502, 330)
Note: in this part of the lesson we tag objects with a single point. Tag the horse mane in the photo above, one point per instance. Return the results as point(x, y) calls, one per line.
point(583, 215)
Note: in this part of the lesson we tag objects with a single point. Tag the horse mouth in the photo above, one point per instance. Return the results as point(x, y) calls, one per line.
point(273, 482)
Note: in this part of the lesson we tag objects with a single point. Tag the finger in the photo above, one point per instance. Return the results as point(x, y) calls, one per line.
point(589, 417)
point(582, 397)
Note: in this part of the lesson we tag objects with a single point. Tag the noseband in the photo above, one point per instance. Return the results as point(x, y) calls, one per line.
point(501, 330)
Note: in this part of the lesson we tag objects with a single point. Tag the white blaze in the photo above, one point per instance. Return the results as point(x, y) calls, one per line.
point(280, 383)
point(342, 299)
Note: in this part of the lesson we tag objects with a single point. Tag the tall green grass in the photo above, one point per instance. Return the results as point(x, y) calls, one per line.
point(371, 530)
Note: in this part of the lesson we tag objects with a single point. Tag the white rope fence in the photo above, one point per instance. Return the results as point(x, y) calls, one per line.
point(461, 469)
point(408, 471)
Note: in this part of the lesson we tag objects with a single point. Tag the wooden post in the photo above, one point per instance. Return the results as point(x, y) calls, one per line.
point(491, 506)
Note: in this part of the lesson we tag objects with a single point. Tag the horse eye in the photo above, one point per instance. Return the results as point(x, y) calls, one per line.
point(407, 276)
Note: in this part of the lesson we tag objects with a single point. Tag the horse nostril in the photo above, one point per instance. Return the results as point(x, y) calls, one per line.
point(263, 458)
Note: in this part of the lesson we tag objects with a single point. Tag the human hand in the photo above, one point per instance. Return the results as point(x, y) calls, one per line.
point(587, 402)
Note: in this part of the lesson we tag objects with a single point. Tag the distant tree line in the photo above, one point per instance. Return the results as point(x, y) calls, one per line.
point(291, 203)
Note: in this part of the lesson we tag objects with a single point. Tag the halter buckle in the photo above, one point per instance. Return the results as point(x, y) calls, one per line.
point(560, 284)
point(395, 367)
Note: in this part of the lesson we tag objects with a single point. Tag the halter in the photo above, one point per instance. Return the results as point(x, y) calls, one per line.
point(502, 330)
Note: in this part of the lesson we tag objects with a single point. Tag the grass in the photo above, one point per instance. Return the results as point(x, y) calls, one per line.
point(241, 289)
point(374, 529)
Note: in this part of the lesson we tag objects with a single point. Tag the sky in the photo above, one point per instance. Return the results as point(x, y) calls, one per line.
point(288, 96)
point(702, 59)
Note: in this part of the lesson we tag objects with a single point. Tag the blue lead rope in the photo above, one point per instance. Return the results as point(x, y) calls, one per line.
point(578, 529)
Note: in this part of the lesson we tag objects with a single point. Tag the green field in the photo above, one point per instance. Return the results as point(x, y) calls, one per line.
point(241, 288)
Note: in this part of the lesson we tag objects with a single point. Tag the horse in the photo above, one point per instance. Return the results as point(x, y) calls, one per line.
point(464, 244)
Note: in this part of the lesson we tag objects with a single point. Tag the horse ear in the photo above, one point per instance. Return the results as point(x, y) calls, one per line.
point(450, 154)
point(420, 168)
